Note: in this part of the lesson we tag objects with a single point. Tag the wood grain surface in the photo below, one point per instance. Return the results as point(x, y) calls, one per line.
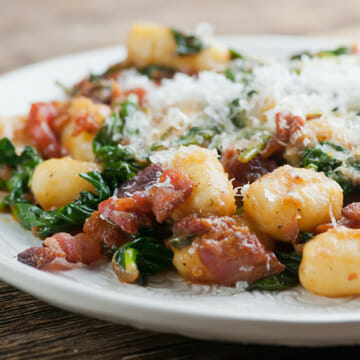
point(33, 30)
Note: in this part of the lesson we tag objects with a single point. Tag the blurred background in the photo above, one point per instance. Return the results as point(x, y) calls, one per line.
point(33, 30)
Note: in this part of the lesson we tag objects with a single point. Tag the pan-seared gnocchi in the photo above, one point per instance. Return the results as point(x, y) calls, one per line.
point(221, 250)
point(213, 193)
point(151, 44)
point(330, 263)
point(56, 182)
point(85, 119)
point(289, 200)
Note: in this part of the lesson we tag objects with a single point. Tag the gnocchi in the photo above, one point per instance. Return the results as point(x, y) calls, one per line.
point(330, 263)
point(77, 136)
point(289, 200)
point(223, 250)
point(56, 182)
point(151, 44)
point(213, 193)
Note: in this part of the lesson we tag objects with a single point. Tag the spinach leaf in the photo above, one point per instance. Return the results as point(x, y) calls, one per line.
point(146, 254)
point(22, 167)
point(112, 132)
point(332, 159)
point(67, 218)
point(120, 162)
point(187, 44)
point(31, 216)
point(285, 280)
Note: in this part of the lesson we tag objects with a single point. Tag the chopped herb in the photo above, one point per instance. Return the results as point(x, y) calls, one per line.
point(235, 55)
point(254, 149)
point(157, 72)
point(300, 55)
point(187, 44)
point(239, 72)
point(200, 135)
point(237, 115)
point(342, 50)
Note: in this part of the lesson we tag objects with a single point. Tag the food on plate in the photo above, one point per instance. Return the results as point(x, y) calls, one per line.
point(230, 169)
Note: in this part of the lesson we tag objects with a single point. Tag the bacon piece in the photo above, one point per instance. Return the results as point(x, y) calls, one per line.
point(286, 126)
point(173, 188)
point(41, 133)
point(37, 256)
point(120, 95)
point(242, 173)
point(350, 218)
point(239, 258)
point(352, 211)
point(130, 219)
point(143, 180)
point(97, 90)
point(101, 230)
point(229, 250)
point(149, 193)
point(190, 226)
point(85, 123)
point(81, 248)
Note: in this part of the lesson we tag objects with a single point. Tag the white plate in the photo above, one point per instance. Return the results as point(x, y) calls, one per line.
point(168, 304)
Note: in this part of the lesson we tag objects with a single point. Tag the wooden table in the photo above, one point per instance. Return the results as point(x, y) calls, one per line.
point(34, 30)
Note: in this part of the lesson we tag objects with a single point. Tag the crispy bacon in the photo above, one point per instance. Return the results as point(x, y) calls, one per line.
point(85, 123)
point(352, 211)
point(37, 256)
point(81, 248)
point(172, 189)
point(350, 218)
point(229, 250)
point(190, 226)
point(286, 126)
point(101, 230)
point(144, 179)
point(107, 91)
point(120, 95)
point(127, 213)
point(41, 132)
point(243, 173)
point(149, 193)
point(98, 90)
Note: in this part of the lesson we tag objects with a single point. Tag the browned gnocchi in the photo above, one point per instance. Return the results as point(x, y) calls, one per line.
point(289, 200)
point(330, 263)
